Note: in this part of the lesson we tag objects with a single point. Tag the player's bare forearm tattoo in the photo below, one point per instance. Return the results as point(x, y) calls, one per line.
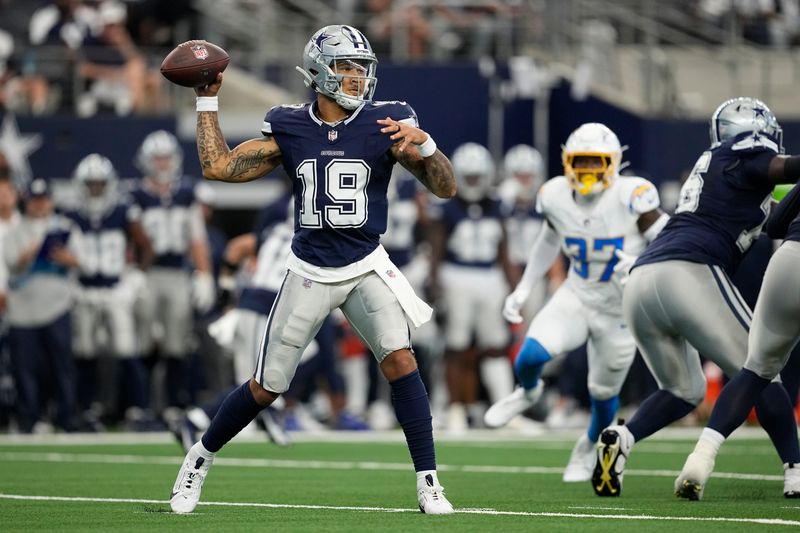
point(211, 143)
point(242, 164)
point(435, 172)
point(440, 179)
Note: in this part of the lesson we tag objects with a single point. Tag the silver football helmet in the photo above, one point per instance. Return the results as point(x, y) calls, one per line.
point(160, 157)
point(96, 182)
point(743, 114)
point(524, 171)
point(474, 170)
point(339, 43)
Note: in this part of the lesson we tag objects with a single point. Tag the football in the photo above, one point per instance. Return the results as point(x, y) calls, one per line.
point(194, 63)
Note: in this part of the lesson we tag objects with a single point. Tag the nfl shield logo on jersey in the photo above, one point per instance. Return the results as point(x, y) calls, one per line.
point(307, 283)
point(333, 135)
point(200, 51)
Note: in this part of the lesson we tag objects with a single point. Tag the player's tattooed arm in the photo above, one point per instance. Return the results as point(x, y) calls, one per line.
point(248, 161)
point(435, 172)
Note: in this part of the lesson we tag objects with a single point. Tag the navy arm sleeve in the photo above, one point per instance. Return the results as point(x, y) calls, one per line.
point(783, 214)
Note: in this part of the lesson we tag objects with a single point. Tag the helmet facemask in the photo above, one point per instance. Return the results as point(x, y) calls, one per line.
point(334, 57)
point(589, 173)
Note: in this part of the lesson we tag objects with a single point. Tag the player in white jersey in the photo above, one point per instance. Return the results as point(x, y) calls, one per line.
point(598, 219)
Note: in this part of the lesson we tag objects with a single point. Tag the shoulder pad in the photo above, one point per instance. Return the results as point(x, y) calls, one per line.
point(640, 196)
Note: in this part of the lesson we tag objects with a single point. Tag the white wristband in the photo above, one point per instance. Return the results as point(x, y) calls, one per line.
point(428, 148)
point(207, 103)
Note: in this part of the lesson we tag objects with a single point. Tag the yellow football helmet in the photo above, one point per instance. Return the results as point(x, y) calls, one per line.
point(591, 156)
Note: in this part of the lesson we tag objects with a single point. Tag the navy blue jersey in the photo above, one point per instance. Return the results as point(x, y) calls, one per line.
point(474, 232)
point(403, 214)
point(340, 175)
point(723, 205)
point(104, 245)
point(167, 222)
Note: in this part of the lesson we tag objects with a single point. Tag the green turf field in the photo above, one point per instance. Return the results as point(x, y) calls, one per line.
point(364, 482)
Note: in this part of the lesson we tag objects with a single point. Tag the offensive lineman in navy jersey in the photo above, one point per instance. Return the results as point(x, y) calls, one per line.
point(774, 334)
point(679, 298)
point(339, 152)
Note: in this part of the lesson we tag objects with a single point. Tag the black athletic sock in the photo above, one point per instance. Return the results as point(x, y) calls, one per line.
point(659, 410)
point(238, 410)
point(413, 410)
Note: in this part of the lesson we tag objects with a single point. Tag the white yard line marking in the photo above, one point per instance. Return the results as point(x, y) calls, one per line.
point(491, 512)
point(54, 457)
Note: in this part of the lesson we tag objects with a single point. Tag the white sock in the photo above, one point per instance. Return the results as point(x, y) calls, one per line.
point(421, 482)
point(709, 442)
point(498, 377)
point(200, 450)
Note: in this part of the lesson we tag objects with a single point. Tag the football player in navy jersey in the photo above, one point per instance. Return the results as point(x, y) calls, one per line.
point(339, 151)
point(109, 226)
point(173, 220)
point(774, 333)
point(470, 262)
point(679, 298)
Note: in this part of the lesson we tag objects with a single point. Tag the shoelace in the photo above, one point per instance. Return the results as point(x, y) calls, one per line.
point(436, 492)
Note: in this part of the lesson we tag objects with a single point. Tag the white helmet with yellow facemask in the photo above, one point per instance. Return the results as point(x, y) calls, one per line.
point(592, 158)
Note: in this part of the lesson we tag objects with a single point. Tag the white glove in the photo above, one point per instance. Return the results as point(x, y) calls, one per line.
point(204, 293)
point(512, 306)
point(223, 329)
point(623, 267)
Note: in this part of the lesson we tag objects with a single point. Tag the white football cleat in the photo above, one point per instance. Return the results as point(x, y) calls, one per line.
point(512, 405)
point(612, 453)
point(791, 480)
point(431, 498)
point(186, 491)
point(691, 482)
point(581, 462)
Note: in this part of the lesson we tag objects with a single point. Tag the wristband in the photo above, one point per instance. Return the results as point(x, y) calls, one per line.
point(207, 103)
point(428, 148)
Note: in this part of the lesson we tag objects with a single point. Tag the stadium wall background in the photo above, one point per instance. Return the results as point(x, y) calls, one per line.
point(452, 102)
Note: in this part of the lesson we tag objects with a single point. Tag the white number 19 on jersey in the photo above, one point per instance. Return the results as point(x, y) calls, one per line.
point(342, 191)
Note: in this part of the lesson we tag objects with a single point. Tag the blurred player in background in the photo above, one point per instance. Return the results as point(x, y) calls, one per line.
point(523, 176)
point(596, 217)
point(471, 268)
point(679, 299)
point(339, 152)
point(774, 333)
point(110, 226)
point(173, 222)
point(40, 253)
